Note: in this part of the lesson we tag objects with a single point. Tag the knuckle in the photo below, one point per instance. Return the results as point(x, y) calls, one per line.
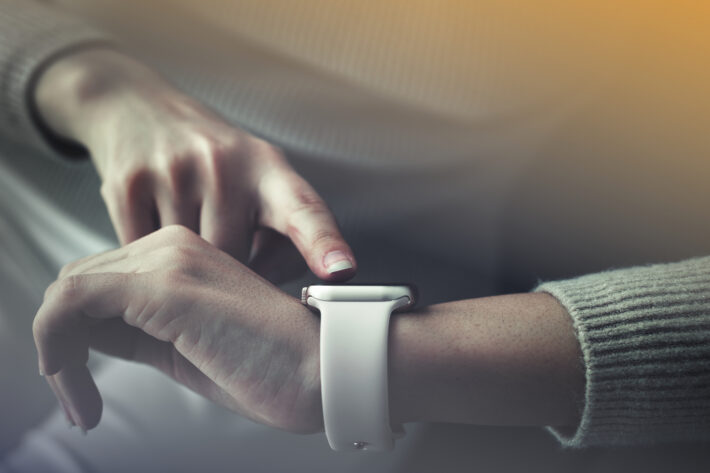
point(230, 144)
point(39, 329)
point(106, 190)
point(67, 269)
point(65, 289)
point(308, 206)
point(323, 236)
point(306, 199)
point(225, 159)
point(306, 211)
point(267, 164)
point(221, 151)
point(180, 259)
point(177, 234)
point(180, 255)
point(177, 275)
point(112, 190)
point(268, 151)
point(42, 327)
point(319, 237)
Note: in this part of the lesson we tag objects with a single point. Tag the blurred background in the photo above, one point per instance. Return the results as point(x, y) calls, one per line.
point(473, 148)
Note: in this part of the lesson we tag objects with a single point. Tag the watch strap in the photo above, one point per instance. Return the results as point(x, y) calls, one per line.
point(354, 380)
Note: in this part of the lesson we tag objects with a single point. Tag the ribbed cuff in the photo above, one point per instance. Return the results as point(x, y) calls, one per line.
point(645, 338)
point(31, 35)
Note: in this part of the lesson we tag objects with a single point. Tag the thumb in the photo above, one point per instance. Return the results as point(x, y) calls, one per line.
point(292, 207)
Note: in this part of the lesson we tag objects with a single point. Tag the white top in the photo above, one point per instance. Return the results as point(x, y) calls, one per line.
point(443, 136)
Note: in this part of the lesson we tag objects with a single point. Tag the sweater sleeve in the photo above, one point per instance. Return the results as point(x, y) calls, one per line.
point(32, 33)
point(645, 339)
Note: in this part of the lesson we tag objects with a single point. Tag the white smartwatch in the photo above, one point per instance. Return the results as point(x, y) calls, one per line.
point(354, 332)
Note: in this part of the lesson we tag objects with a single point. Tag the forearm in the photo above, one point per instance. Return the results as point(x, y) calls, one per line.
point(32, 35)
point(506, 360)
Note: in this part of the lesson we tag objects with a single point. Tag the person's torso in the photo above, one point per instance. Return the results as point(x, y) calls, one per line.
point(503, 143)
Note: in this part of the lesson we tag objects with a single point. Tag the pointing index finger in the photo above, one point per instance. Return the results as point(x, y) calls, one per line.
point(292, 207)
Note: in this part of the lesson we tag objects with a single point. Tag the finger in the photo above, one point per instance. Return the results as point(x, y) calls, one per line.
point(117, 259)
point(226, 216)
point(177, 210)
point(61, 398)
point(81, 395)
point(116, 338)
point(62, 323)
point(291, 206)
point(175, 198)
point(87, 262)
point(132, 211)
point(228, 227)
point(275, 258)
point(61, 333)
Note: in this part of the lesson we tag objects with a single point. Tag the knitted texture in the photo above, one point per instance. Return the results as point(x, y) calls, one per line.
point(31, 36)
point(645, 336)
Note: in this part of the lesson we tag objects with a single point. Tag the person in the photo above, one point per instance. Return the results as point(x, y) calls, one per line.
point(518, 354)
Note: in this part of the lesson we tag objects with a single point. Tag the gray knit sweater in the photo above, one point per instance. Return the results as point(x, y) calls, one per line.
point(644, 331)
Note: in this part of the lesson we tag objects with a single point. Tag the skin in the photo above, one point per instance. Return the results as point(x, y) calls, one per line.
point(204, 210)
point(174, 301)
point(165, 159)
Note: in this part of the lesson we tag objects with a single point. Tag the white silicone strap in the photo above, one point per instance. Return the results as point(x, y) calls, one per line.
point(354, 383)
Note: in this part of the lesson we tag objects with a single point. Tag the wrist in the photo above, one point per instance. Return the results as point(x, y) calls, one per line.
point(80, 91)
point(303, 328)
point(504, 360)
point(402, 369)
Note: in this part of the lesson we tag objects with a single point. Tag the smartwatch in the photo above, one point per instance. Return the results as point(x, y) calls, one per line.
point(354, 333)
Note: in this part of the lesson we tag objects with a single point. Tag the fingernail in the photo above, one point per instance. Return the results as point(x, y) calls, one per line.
point(336, 261)
point(41, 373)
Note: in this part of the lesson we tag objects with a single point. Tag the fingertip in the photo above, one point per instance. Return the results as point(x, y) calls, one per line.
point(89, 412)
point(340, 276)
point(81, 395)
point(91, 420)
point(338, 265)
point(336, 261)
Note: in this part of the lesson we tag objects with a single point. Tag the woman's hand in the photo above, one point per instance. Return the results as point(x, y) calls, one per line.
point(165, 159)
point(175, 302)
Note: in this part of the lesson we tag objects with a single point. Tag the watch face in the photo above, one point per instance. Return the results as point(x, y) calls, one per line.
point(361, 292)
